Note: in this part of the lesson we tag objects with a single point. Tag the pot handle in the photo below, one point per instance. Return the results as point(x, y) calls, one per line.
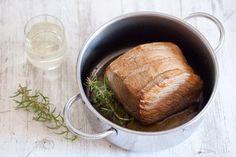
point(76, 131)
point(217, 23)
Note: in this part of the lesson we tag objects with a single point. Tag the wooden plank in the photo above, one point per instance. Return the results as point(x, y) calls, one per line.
point(20, 136)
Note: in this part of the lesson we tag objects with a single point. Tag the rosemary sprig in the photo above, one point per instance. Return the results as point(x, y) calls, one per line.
point(44, 111)
point(104, 101)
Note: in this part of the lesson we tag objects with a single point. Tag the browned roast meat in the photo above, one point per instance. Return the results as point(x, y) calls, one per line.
point(153, 81)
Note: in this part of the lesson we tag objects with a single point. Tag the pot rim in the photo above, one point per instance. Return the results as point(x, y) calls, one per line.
point(154, 14)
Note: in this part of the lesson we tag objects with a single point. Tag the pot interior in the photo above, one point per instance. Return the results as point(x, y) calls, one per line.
point(120, 35)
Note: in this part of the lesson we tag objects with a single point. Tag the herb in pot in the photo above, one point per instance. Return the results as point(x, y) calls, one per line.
point(104, 101)
point(44, 111)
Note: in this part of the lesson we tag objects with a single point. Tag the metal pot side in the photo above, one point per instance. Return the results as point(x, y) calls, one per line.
point(133, 29)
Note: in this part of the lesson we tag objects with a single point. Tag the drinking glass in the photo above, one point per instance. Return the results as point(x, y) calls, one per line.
point(45, 41)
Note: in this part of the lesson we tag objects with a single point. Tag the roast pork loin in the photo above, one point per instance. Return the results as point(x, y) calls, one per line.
point(153, 81)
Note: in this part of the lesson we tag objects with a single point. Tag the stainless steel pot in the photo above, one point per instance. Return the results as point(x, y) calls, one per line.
point(130, 30)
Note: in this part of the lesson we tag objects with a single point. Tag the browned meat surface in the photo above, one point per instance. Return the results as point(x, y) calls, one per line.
point(170, 122)
point(153, 81)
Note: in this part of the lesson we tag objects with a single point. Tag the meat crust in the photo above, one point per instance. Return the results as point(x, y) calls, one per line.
point(153, 81)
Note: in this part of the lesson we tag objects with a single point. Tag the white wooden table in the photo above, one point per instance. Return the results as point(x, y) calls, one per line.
point(20, 136)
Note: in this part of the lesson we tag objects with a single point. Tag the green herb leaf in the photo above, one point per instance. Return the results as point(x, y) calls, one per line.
point(44, 111)
point(104, 101)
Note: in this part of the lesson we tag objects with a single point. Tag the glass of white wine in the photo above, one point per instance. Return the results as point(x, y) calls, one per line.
point(45, 42)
